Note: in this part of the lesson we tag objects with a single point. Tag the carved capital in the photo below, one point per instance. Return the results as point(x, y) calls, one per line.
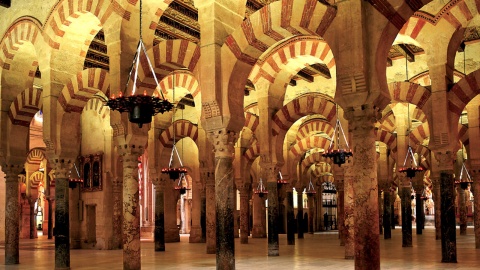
point(12, 172)
point(130, 149)
point(361, 119)
point(62, 167)
point(223, 141)
point(445, 160)
point(159, 182)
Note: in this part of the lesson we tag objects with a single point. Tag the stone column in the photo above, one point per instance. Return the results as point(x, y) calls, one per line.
point(33, 228)
point(300, 213)
point(462, 207)
point(310, 203)
point(405, 196)
point(365, 186)
point(159, 230)
point(12, 231)
point(271, 173)
point(419, 210)
point(171, 197)
point(50, 217)
point(476, 204)
point(348, 230)
point(387, 214)
point(436, 200)
point(393, 199)
point(259, 228)
point(210, 213)
point(117, 224)
point(131, 209)
point(203, 214)
point(290, 217)
point(223, 142)
point(380, 212)
point(196, 229)
point(245, 194)
point(447, 197)
point(62, 218)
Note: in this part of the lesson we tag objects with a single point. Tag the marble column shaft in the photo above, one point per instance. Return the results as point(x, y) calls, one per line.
point(62, 221)
point(447, 198)
point(387, 212)
point(33, 229)
point(259, 220)
point(245, 195)
point(171, 198)
point(131, 213)
point(50, 218)
point(437, 207)
point(341, 214)
point(476, 207)
point(419, 211)
point(117, 224)
point(210, 213)
point(203, 216)
point(406, 198)
point(462, 209)
point(196, 229)
point(300, 213)
point(159, 230)
point(273, 249)
point(12, 212)
point(365, 186)
point(310, 204)
point(290, 219)
point(348, 230)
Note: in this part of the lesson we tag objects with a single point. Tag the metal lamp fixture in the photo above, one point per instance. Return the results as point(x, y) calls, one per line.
point(411, 170)
point(310, 189)
point(140, 107)
point(261, 190)
point(183, 189)
point(335, 152)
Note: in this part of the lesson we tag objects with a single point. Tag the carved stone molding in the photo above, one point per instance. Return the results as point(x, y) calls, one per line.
point(361, 119)
point(445, 160)
point(223, 141)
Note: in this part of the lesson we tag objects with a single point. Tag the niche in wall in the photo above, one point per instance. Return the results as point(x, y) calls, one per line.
point(91, 172)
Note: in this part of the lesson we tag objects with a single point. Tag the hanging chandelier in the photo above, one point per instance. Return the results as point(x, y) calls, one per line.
point(261, 190)
point(335, 152)
point(310, 189)
point(140, 107)
point(73, 182)
point(183, 189)
point(175, 172)
point(411, 170)
point(280, 179)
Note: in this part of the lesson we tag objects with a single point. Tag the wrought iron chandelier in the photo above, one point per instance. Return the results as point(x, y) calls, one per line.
point(411, 170)
point(175, 172)
point(73, 182)
point(310, 189)
point(464, 177)
point(280, 179)
point(182, 188)
point(335, 152)
point(140, 107)
point(261, 190)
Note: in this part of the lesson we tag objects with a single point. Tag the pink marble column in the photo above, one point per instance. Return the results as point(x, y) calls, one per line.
point(349, 224)
point(223, 142)
point(290, 217)
point(196, 229)
point(259, 228)
point(159, 229)
point(62, 217)
point(12, 232)
point(311, 208)
point(117, 223)
point(365, 186)
point(33, 228)
point(300, 212)
point(210, 213)
point(245, 195)
point(171, 197)
point(339, 183)
point(131, 210)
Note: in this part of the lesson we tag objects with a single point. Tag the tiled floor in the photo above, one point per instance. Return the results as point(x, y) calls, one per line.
point(317, 251)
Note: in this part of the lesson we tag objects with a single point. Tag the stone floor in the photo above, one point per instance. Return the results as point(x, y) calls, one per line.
point(315, 251)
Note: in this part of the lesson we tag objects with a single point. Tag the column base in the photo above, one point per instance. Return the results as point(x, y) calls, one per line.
point(273, 253)
point(258, 232)
point(196, 235)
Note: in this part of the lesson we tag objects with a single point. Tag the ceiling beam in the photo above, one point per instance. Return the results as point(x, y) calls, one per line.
point(405, 51)
point(322, 70)
point(305, 76)
point(5, 3)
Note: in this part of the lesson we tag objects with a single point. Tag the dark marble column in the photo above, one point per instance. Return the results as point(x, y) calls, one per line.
point(203, 215)
point(273, 249)
point(170, 198)
point(462, 209)
point(380, 212)
point(50, 218)
point(476, 205)
point(447, 198)
point(290, 218)
point(223, 141)
point(33, 229)
point(406, 197)
point(131, 210)
point(348, 212)
point(437, 203)
point(245, 195)
point(210, 213)
point(62, 218)
point(259, 219)
point(387, 213)
point(159, 230)
point(365, 186)
point(12, 231)
point(392, 209)
point(419, 210)
point(117, 223)
point(311, 209)
point(300, 213)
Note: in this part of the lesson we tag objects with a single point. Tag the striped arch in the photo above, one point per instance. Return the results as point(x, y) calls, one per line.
point(457, 12)
point(36, 156)
point(308, 143)
point(409, 92)
point(251, 121)
point(419, 134)
point(82, 87)
point(387, 122)
point(183, 79)
point(252, 108)
point(419, 115)
point(294, 48)
point(25, 106)
point(386, 137)
point(463, 134)
point(35, 179)
point(252, 153)
point(183, 129)
point(322, 170)
point(463, 92)
point(66, 9)
point(24, 30)
point(424, 153)
point(301, 106)
point(313, 126)
point(314, 158)
point(97, 105)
